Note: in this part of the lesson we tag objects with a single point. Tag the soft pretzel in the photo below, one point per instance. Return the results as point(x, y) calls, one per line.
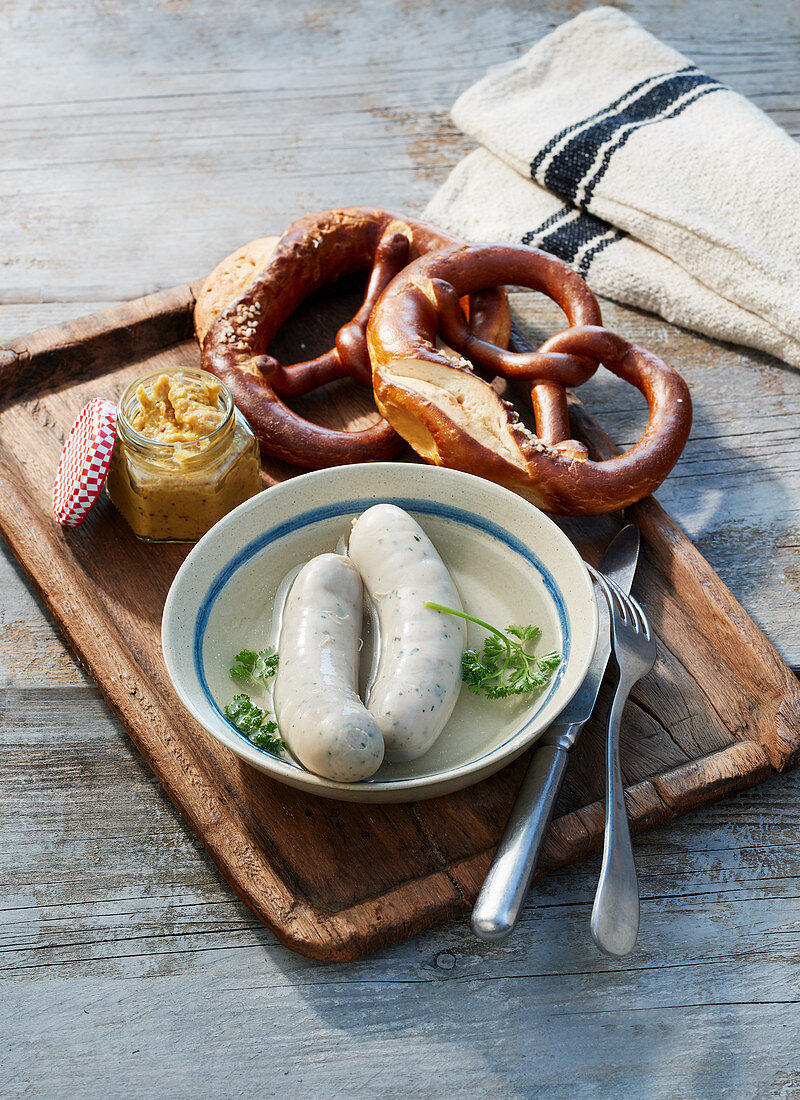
point(317, 249)
point(429, 392)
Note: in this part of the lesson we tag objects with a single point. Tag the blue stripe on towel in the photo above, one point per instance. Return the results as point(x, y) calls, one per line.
point(576, 167)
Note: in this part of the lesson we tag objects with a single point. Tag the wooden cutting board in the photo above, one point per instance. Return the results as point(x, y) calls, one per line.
point(719, 712)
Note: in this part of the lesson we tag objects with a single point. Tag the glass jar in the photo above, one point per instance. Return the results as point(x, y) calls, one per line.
point(176, 491)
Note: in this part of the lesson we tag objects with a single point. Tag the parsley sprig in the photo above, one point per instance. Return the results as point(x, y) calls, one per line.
point(503, 666)
point(254, 722)
point(249, 665)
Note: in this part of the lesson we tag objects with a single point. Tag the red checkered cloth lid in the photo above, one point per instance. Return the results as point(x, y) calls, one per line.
point(84, 462)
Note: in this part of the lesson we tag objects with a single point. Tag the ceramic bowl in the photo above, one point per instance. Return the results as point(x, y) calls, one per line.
point(510, 562)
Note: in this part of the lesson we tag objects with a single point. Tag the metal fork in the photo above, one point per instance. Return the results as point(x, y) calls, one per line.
point(615, 914)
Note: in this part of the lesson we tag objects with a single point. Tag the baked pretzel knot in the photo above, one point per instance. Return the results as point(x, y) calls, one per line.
point(423, 357)
point(316, 250)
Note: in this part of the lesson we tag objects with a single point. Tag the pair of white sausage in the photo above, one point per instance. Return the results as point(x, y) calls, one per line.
point(418, 677)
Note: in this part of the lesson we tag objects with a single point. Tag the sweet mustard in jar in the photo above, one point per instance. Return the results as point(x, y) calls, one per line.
point(183, 458)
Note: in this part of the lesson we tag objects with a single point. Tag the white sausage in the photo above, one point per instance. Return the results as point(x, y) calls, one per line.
point(320, 715)
point(418, 676)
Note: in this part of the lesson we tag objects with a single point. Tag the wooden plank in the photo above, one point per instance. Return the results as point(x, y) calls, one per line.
point(407, 866)
point(256, 120)
point(120, 945)
point(52, 356)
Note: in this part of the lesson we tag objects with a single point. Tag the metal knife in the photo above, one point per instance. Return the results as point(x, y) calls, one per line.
point(498, 905)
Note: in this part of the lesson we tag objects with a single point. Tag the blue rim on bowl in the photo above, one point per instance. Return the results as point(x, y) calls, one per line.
point(286, 525)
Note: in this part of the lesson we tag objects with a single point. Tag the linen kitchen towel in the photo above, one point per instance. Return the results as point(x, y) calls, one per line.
point(663, 187)
point(485, 200)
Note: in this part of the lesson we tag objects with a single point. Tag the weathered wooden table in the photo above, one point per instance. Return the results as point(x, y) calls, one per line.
point(142, 142)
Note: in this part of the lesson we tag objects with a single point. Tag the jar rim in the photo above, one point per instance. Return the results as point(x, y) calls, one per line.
point(169, 446)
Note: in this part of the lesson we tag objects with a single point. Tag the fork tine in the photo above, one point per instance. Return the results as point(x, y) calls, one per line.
point(605, 583)
point(633, 614)
point(637, 615)
point(644, 623)
point(622, 605)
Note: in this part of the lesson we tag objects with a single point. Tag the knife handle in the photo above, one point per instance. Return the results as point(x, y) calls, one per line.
point(498, 905)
